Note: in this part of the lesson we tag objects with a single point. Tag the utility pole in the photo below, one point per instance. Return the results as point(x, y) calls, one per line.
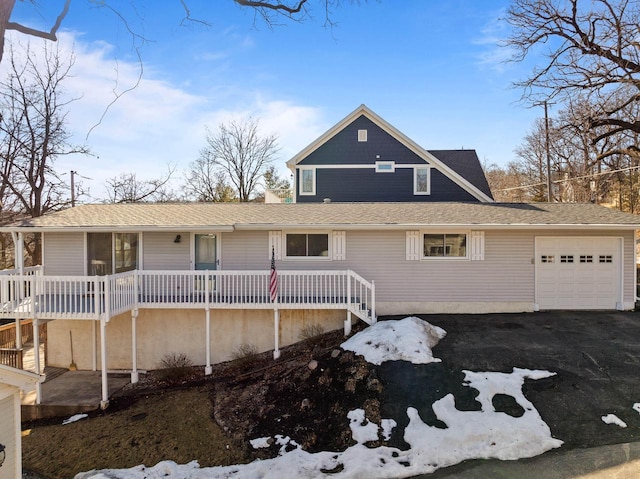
point(73, 188)
point(546, 131)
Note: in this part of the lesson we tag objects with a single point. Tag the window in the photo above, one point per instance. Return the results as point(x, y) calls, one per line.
point(450, 245)
point(586, 258)
point(385, 166)
point(566, 258)
point(307, 181)
point(546, 258)
point(605, 258)
point(111, 252)
point(307, 245)
point(125, 251)
point(421, 181)
point(362, 135)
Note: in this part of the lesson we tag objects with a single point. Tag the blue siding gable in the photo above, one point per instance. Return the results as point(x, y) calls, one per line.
point(365, 184)
point(345, 149)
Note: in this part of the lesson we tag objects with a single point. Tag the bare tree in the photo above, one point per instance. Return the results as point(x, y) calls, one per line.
point(127, 188)
point(269, 10)
point(206, 183)
point(33, 133)
point(591, 51)
point(238, 151)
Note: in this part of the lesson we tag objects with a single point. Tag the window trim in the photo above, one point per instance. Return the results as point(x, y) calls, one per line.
point(415, 180)
point(467, 256)
point(329, 255)
point(301, 191)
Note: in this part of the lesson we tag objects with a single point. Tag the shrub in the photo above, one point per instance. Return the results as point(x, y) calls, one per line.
point(245, 353)
point(175, 367)
point(310, 331)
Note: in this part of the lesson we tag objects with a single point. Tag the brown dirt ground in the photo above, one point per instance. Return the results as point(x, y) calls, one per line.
point(211, 419)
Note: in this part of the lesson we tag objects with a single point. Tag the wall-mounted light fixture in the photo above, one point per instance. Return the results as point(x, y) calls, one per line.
point(178, 238)
point(3, 454)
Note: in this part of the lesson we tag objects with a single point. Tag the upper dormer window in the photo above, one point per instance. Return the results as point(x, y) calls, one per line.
point(362, 135)
point(307, 181)
point(422, 180)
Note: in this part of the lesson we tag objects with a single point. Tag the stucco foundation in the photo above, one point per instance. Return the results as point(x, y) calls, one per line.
point(164, 331)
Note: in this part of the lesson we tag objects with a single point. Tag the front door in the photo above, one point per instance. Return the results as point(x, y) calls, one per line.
point(206, 259)
point(206, 252)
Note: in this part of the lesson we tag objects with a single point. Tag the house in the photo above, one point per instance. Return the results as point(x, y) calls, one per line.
point(12, 382)
point(364, 158)
point(123, 285)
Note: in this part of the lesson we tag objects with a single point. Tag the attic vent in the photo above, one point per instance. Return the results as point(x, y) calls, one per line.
point(362, 135)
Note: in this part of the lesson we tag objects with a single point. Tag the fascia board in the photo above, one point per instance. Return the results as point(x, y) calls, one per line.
point(398, 226)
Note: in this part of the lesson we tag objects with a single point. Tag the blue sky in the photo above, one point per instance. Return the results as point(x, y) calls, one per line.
point(432, 69)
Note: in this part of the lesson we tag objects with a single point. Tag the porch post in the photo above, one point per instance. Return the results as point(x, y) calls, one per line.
point(18, 249)
point(208, 369)
point(276, 320)
point(18, 334)
point(36, 357)
point(347, 322)
point(94, 346)
point(104, 404)
point(134, 347)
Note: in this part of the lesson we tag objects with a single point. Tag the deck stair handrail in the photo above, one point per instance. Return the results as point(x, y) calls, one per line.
point(96, 297)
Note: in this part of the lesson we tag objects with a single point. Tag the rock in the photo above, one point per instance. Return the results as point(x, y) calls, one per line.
point(305, 404)
point(335, 353)
point(313, 364)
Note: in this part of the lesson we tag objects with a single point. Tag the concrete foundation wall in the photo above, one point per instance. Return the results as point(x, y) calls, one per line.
point(165, 331)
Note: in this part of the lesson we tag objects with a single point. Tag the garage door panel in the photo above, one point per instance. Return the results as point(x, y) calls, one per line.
point(578, 273)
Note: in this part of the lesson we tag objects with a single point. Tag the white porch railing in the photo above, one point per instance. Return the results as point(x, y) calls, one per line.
point(96, 297)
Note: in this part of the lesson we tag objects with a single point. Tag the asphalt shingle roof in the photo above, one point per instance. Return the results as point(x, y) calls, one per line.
point(201, 216)
point(467, 164)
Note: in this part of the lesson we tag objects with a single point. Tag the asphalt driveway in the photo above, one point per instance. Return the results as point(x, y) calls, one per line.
point(596, 356)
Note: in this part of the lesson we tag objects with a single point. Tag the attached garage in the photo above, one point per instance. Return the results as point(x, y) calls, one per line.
point(579, 272)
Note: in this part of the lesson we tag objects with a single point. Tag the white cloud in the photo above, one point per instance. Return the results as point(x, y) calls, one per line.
point(157, 123)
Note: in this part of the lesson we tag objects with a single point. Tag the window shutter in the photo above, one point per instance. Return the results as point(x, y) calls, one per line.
point(413, 246)
point(477, 246)
point(275, 244)
point(339, 252)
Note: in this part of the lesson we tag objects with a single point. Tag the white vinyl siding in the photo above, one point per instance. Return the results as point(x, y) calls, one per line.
point(64, 254)
point(9, 429)
point(161, 252)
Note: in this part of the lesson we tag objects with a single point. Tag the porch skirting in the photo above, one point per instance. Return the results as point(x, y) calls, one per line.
point(164, 331)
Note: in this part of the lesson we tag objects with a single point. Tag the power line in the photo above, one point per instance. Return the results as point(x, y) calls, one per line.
point(592, 175)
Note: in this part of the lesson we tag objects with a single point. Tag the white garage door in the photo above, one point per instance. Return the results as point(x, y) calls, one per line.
point(578, 273)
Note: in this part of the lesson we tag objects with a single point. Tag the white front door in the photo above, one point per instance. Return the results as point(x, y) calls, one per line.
point(578, 273)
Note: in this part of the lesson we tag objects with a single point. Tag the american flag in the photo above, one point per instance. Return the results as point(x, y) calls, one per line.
point(273, 277)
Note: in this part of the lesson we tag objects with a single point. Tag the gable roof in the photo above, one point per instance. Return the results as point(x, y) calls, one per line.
point(227, 217)
point(363, 110)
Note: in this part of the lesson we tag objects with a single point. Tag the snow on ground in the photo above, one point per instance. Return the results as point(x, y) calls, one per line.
point(613, 419)
point(479, 434)
point(409, 339)
point(74, 418)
